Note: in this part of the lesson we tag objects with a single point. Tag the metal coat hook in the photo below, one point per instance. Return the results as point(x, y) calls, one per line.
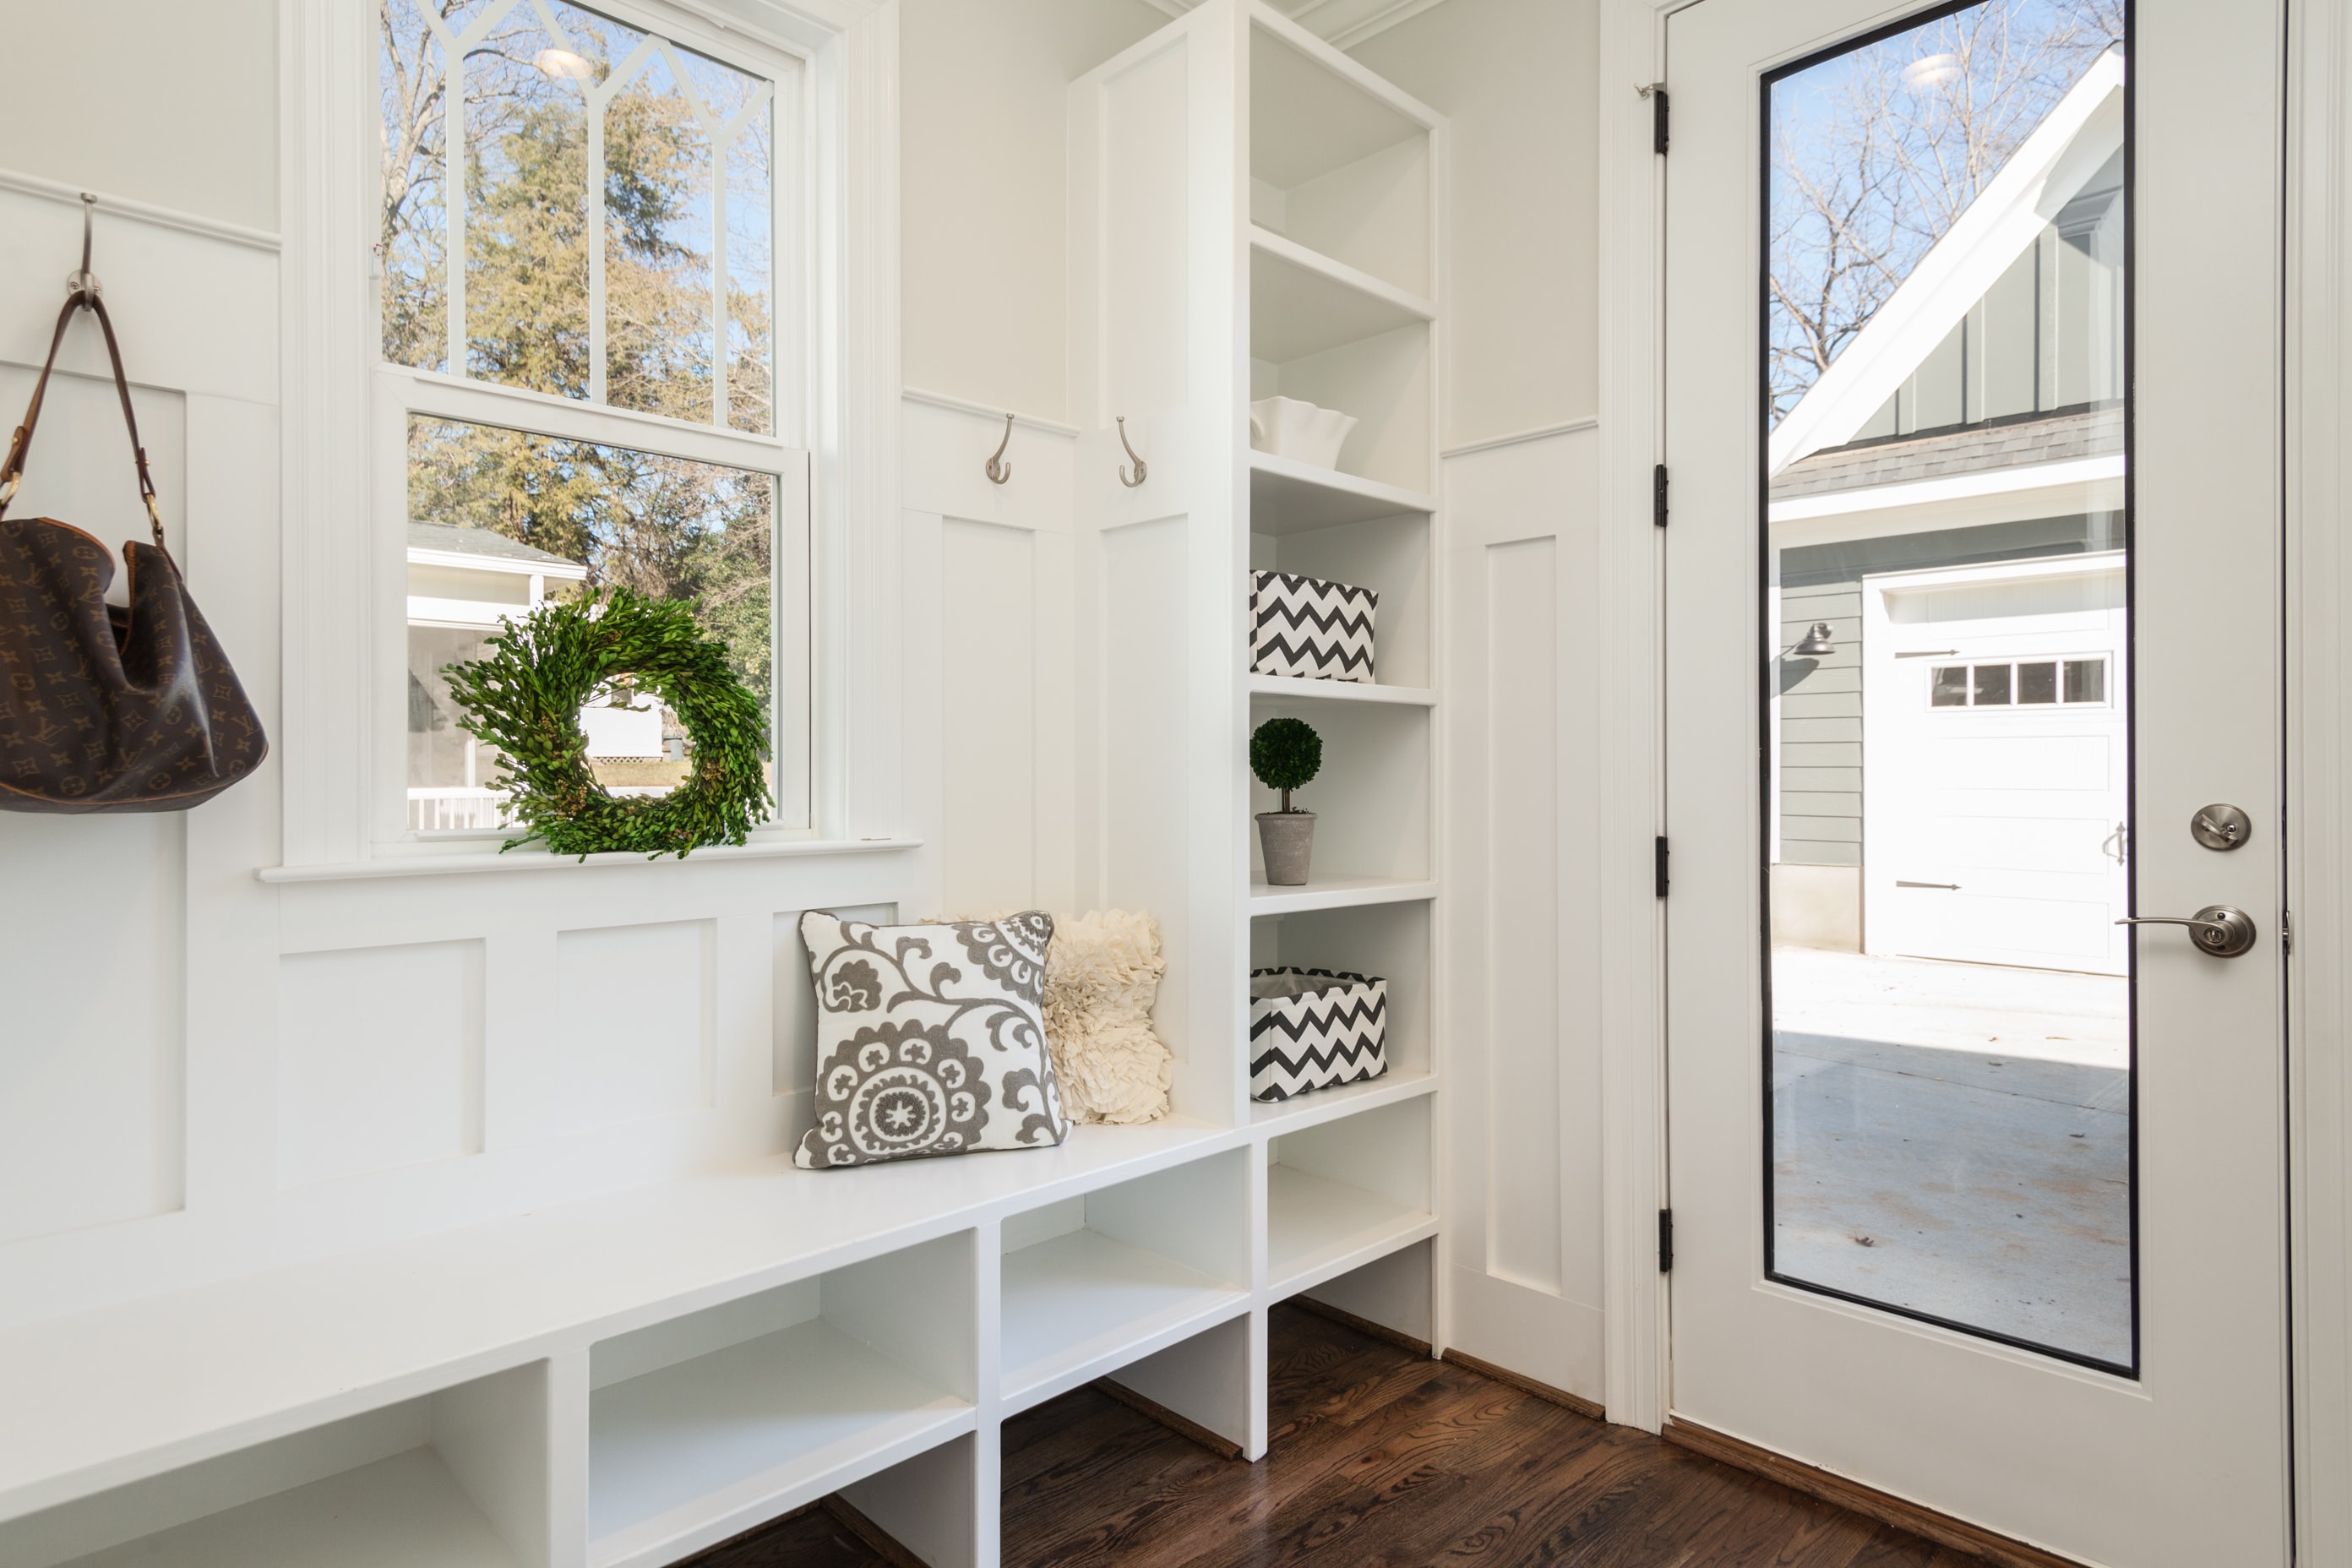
point(998, 469)
point(82, 284)
point(1141, 471)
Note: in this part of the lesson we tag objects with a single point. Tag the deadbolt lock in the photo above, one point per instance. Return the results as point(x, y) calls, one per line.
point(2221, 826)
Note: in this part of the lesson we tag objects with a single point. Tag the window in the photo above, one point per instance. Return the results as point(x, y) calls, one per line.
point(591, 319)
point(2029, 683)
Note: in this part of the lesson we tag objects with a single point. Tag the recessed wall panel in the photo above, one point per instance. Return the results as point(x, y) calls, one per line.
point(93, 934)
point(635, 1006)
point(378, 1058)
point(1522, 963)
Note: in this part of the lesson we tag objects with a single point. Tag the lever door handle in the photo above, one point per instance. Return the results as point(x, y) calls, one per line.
point(2223, 930)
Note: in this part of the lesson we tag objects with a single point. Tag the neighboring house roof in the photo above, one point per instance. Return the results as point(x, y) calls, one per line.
point(481, 547)
point(2081, 132)
point(1977, 449)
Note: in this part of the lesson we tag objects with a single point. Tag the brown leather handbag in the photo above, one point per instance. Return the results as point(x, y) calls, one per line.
point(103, 707)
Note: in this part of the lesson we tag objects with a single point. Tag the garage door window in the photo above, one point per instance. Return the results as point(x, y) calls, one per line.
point(2027, 683)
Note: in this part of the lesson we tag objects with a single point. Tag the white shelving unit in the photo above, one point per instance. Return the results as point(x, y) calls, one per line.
point(406, 1512)
point(1336, 892)
point(1343, 262)
point(623, 1380)
point(703, 1426)
point(1345, 1192)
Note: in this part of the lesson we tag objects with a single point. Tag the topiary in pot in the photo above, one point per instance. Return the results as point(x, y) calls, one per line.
point(1284, 754)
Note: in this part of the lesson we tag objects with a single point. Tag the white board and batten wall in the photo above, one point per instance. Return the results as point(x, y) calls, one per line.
point(314, 1171)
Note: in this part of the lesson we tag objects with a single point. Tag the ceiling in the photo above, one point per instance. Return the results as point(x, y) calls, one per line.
point(1343, 23)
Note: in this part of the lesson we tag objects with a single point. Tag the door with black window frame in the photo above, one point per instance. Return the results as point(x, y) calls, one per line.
point(1975, 980)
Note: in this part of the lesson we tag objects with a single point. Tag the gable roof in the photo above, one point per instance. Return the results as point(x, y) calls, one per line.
point(1975, 449)
point(2074, 141)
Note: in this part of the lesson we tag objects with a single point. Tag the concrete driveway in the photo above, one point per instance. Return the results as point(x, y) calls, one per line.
point(1955, 1139)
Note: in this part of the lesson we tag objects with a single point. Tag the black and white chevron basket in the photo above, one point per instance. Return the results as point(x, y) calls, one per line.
point(1306, 627)
point(1329, 1030)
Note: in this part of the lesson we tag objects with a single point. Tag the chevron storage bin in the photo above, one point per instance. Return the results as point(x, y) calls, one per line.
point(1308, 627)
point(1314, 1028)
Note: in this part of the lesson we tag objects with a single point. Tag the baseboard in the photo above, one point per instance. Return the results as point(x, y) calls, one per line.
point(1958, 1534)
point(884, 1544)
point(1361, 1325)
point(1544, 1391)
point(1183, 1425)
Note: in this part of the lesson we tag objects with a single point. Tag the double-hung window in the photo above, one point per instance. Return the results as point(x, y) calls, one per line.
point(593, 309)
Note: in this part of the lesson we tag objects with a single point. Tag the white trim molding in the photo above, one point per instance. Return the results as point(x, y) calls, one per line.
point(1342, 23)
point(1632, 1021)
point(1519, 437)
point(2318, 841)
point(142, 212)
point(965, 405)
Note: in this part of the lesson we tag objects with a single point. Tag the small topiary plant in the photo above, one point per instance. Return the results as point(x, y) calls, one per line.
point(1284, 754)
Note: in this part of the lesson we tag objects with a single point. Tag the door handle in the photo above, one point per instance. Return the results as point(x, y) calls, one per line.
point(2223, 931)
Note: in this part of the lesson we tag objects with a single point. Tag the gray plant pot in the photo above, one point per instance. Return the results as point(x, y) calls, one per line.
point(1286, 837)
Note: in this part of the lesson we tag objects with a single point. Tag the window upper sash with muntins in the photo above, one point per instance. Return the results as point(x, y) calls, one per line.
point(578, 206)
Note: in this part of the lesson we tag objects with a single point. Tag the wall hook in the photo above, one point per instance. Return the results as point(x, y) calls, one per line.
point(1141, 471)
point(998, 469)
point(81, 285)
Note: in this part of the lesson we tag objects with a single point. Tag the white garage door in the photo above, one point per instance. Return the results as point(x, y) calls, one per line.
point(1994, 764)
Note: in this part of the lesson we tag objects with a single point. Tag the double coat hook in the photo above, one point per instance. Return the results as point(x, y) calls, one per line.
point(82, 283)
point(998, 469)
point(1141, 472)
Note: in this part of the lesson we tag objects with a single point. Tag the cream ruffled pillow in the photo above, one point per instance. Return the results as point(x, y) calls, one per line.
point(1102, 975)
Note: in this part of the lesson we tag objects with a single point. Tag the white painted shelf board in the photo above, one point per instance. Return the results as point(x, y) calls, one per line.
point(1303, 302)
point(1082, 1304)
point(694, 1452)
point(406, 1512)
point(1317, 1227)
point(1318, 1106)
point(100, 1398)
point(1340, 691)
point(1288, 495)
point(1319, 893)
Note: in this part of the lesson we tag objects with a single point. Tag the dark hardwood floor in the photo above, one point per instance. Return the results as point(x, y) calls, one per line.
point(1379, 1457)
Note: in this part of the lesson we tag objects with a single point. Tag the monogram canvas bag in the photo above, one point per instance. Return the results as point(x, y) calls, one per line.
point(104, 708)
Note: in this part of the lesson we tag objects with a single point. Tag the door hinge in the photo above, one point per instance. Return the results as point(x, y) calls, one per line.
point(1658, 495)
point(1662, 865)
point(2286, 933)
point(1665, 1241)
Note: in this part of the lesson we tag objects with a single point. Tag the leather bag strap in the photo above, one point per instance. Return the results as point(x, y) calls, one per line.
point(13, 471)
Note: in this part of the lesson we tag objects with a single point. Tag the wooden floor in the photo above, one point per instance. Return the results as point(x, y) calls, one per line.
point(1379, 1457)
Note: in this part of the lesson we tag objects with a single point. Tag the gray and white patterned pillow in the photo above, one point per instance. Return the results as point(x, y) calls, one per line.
point(930, 1039)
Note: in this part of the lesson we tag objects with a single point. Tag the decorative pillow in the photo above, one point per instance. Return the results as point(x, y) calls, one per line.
point(929, 1040)
point(1101, 979)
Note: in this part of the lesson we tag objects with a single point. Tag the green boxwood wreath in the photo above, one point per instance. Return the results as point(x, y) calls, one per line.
point(524, 697)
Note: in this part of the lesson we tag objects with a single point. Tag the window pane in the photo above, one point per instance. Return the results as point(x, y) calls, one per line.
point(1947, 1100)
point(527, 208)
point(683, 241)
point(412, 89)
point(501, 521)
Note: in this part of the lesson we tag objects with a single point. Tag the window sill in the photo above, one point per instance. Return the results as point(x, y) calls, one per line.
point(541, 860)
